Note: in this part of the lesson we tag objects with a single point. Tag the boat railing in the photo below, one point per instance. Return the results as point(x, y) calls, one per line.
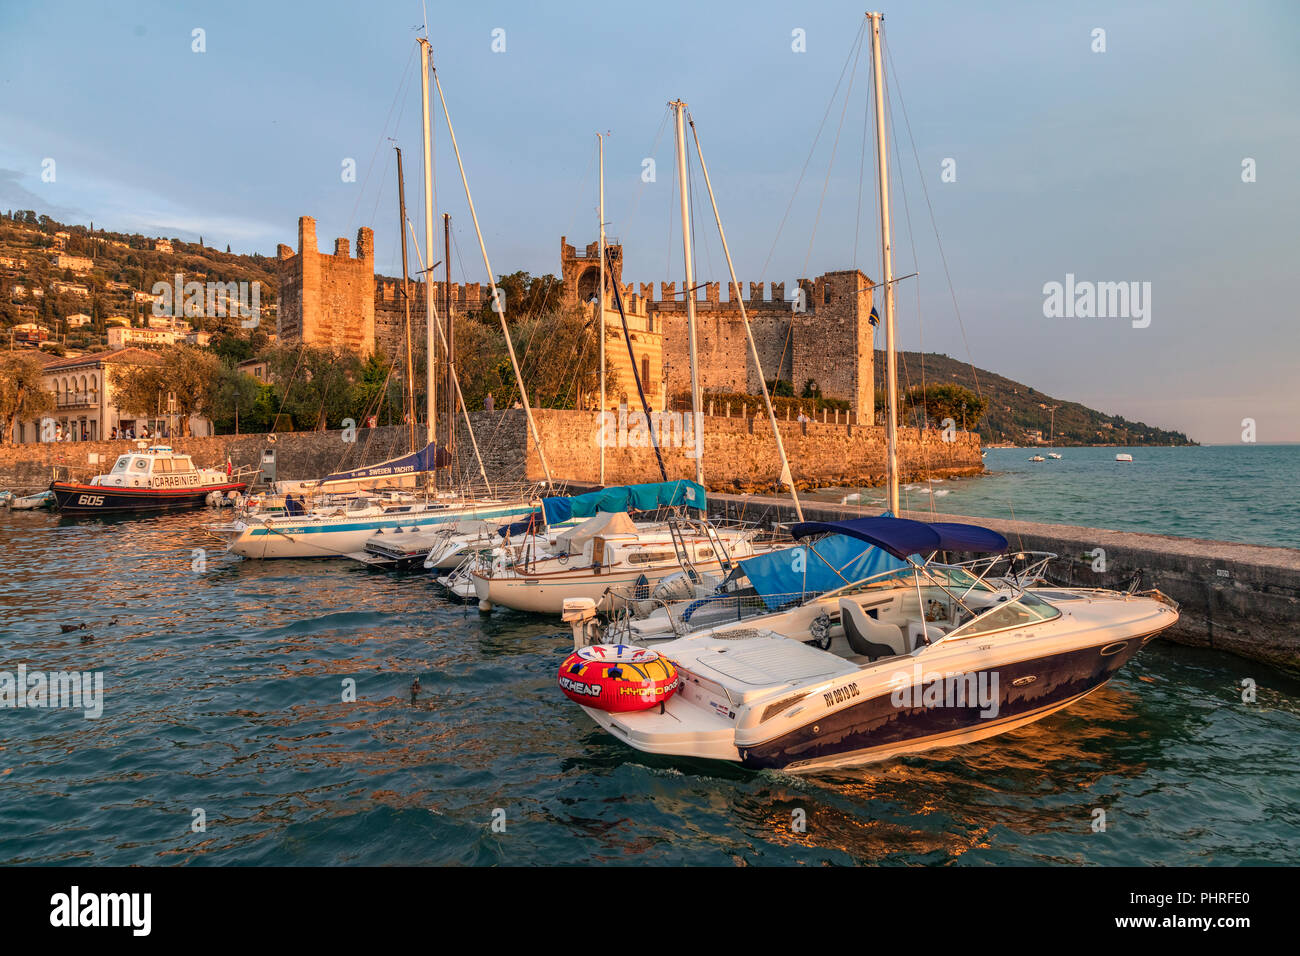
point(1021, 568)
point(632, 604)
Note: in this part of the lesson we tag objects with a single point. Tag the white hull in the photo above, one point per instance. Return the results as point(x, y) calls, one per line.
point(547, 595)
point(754, 693)
point(313, 536)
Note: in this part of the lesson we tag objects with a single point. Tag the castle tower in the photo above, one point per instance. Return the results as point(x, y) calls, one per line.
point(327, 300)
point(832, 341)
point(581, 273)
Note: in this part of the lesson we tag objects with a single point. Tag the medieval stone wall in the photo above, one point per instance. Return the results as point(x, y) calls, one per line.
point(740, 453)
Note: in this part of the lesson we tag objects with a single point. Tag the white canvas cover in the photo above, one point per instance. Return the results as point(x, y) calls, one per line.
point(604, 523)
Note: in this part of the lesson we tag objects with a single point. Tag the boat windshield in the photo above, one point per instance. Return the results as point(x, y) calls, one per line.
point(1026, 609)
point(122, 464)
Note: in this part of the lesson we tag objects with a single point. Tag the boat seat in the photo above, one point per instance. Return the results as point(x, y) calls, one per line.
point(871, 638)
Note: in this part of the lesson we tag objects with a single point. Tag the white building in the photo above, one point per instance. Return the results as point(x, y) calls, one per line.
point(84, 405)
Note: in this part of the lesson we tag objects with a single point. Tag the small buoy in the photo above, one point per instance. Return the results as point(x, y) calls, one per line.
point(618, 677)
point(485, 606)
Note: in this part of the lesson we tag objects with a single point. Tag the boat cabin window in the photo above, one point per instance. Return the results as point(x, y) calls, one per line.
point(121, 465)
point(140, 464)
point(162, 465)
point(182, 464)
point(648, 557)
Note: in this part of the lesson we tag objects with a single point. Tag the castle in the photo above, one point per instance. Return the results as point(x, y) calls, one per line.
point(821, 337)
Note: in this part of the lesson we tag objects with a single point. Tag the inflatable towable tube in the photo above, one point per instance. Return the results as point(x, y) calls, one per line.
point(618, 677)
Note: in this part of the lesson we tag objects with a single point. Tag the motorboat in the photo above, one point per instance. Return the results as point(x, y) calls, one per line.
point(1123, 456)
point(42, 499)
point(1038, 458)
point(1054, 455)
point(909, 659)
point(153, 478)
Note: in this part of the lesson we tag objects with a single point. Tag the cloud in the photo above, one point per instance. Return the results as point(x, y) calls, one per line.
point(14, 195)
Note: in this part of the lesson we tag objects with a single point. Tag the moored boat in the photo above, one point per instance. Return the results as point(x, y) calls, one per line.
point(149, 479)
point(900, 662)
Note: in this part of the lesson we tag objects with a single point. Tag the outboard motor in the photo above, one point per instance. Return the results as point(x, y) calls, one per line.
point(580, 614)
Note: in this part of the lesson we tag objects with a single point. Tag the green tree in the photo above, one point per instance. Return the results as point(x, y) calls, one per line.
point(960, 404)
point(191, 374)
point(21, 392)
point(316, 386)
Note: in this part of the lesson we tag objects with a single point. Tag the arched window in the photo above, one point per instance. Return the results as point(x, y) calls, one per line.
point(645, 371)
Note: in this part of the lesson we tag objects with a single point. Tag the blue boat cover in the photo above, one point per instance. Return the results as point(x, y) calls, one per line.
point(529, 524)
point(647, 497)
point(426, 459)
point(783, 576)
point(902, 536)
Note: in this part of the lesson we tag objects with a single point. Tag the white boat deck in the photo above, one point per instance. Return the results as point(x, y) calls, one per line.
point(750, 662)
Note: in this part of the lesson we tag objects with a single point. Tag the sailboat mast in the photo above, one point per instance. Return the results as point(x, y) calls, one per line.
point(887, 282)
point(679, 108)
point(431, 396)
point(600, 303)
point(409, 377)
point(498, 300)
point(450, 346)
point(787, 477)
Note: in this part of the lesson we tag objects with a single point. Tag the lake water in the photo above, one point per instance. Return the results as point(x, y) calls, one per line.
point(223, 693)
point(1224, 493)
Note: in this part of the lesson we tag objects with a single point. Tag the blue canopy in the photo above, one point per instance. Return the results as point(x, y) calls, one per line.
point(782, 576)
point(647, 497)
point(426, 459)
point(902, 536)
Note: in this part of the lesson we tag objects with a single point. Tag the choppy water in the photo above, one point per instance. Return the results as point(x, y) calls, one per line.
point(1224, 493)
point(223, 692)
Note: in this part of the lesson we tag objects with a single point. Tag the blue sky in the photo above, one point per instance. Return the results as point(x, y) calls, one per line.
point(1116, 166)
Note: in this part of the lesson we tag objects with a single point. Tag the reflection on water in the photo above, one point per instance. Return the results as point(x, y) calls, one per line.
point(225, 692)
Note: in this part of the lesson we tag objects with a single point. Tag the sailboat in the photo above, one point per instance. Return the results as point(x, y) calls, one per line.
point(929, 654)
point(343, 528)
point(623, 562)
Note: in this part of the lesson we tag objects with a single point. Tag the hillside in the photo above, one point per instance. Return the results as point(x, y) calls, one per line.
point(123, 268)
point(1016, 409)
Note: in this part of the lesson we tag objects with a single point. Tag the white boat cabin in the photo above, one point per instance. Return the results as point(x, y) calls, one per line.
point(157, 467)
